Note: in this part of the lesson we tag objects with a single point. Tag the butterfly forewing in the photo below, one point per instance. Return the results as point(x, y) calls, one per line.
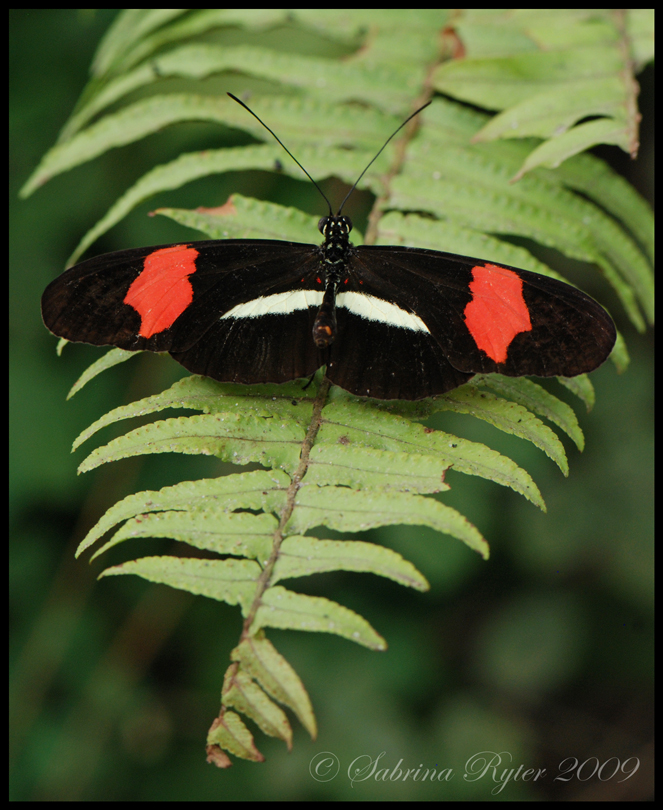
point(166, 298)
point(489, 318)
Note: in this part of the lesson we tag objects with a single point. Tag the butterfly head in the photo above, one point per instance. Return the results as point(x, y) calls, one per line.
point(334, 227)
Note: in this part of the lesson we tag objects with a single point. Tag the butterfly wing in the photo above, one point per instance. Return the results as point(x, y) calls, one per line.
point(177, 298)
point(488, 318)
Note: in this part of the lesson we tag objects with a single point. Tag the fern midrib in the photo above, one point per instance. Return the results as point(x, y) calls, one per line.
point(264, 579)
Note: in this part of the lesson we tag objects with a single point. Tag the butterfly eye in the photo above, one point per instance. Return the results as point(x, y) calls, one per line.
point(322, 224)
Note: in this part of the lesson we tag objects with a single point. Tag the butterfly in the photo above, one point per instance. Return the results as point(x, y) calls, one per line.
point(390, 322)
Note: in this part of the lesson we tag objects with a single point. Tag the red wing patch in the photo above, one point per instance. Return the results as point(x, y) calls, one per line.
point(163, 291)
point(497, 311)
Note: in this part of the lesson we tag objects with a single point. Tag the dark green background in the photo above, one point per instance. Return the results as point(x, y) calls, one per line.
point(544, 651)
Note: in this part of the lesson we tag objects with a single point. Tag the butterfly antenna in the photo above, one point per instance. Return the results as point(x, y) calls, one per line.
point(271, 131)
point(407, 120)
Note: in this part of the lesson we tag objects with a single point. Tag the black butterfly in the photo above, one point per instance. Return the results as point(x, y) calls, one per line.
point(387, 322)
